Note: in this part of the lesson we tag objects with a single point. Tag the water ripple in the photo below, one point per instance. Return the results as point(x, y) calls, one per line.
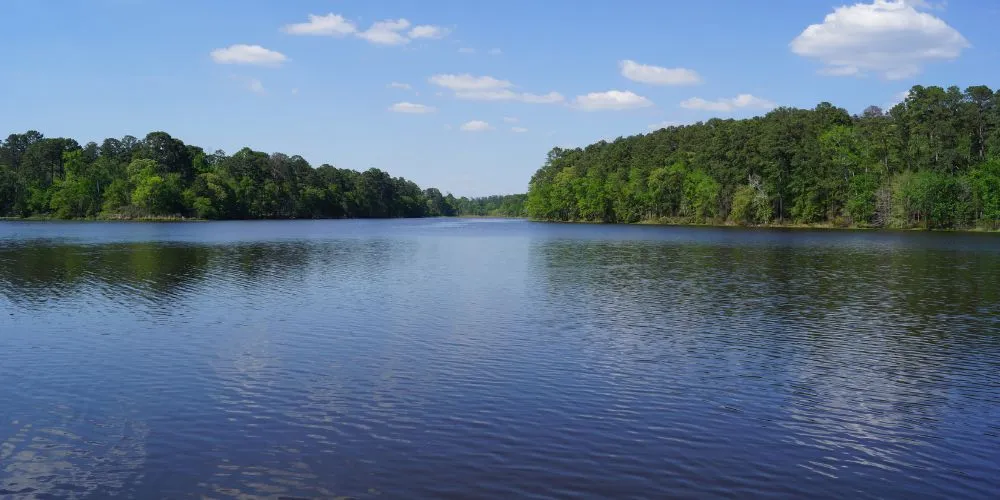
point(458, 359)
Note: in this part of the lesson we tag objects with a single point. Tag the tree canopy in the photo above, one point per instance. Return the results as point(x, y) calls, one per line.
point(931, 161)
point(160, 176)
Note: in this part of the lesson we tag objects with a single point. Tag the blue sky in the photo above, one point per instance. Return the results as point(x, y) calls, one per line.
point(489, 88)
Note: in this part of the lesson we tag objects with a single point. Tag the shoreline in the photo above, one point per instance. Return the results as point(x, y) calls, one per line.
point(645, 222)
point(786, 225)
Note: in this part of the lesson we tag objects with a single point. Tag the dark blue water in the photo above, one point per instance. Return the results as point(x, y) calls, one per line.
point(476, 358)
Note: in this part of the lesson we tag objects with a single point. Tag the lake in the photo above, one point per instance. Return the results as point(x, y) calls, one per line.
point(471, 358)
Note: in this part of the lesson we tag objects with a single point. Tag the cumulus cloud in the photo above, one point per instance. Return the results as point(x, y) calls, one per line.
point(891, 38)
point(495, 52)
point(398, 85)
point(510, 119)
point(612, 100)
point(428, 31)
point(475, 126)
point(328, 25)
point(656, 75)
point(466, 50)
point(518, 130)
point(742, 101)
point(409, 107)
point(248, 54)
point(387, 32)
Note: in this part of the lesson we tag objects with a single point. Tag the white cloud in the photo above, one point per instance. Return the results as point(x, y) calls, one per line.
point(255, 86)
point(495, 52)
point(387, 32)
point(488, 88)
point(248, 54)
point(466, 50)
point(409, 107)
point(742, 101)
point(664, 124)
point(397, 85)
point(612, 100)
point(428, 31)
point(328, 25)
point(510, 95)
point(475, 126)
point(295, 91)
point(655, 75)
point(468, 82)
point(518, 130)
point(510, 119)
point(888, 37)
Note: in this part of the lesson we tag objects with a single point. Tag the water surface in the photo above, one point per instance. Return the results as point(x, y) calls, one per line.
point(481, 358)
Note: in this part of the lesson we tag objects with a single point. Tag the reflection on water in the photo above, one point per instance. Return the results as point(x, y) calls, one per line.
point(460, 359)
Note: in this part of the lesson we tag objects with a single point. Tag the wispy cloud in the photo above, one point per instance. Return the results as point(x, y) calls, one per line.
point(428, 31)
point(611, 100)
point(742, 101)
point(256, 86)
point(488, 88)
point(412, 108)
point(475, 126)
point(656, 75)
point(329, 25)
point(248, 54)
point(387, 32)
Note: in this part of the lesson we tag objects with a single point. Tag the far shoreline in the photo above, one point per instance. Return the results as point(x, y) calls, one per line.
point(794, 226)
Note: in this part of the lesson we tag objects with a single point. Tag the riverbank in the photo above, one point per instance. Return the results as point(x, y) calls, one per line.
point(779, 225)
point(36, 218)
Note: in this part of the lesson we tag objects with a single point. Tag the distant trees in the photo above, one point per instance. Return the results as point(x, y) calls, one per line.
point(512, 205)
point(932, 161)
point(161, 176)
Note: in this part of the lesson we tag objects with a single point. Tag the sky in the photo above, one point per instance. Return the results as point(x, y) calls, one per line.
point(464, 96)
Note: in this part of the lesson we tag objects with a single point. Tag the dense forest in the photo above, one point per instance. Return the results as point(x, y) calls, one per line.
point(160, 176)
point(931, 161)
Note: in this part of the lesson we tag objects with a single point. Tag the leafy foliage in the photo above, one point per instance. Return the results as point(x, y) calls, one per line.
point(932, 161)
point(161, 176)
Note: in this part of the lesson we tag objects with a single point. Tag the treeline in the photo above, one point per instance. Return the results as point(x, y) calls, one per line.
point(160, 176)
point(932, 161)
point(511, 205)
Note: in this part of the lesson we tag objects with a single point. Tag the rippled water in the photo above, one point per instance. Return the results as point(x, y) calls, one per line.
point(476, 358)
